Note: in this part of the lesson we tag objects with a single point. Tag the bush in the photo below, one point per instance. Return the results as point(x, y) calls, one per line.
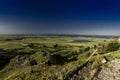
point(57, 59)
point(112, 46)
point(81, 50)
point(37, 46)
point(87, 49)
point(56, 46)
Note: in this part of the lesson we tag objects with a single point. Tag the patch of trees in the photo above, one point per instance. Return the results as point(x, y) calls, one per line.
point(84, 49)
point(58, 59)
point(36, 45)
point(87, 49)
point(112, 46)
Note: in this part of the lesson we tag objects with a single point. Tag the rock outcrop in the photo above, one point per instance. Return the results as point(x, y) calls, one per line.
point(111, 72)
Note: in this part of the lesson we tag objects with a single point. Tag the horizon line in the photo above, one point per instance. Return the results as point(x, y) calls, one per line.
point(59, 34)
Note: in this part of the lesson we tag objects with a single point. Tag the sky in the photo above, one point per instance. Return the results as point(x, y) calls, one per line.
point(91, 17)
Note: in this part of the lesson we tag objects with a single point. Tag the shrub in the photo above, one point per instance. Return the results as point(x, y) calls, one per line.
point(57, 59)
point(112, 46)
point(37, 46)
point(55, 46)
point(87, 49)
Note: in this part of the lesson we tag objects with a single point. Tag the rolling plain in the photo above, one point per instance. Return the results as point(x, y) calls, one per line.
point(55, 57)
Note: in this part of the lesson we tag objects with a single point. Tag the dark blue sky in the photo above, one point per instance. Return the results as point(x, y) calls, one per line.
point(60, 17)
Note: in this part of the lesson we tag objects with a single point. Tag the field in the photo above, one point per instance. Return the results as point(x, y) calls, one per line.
point(50, 57)
point(6, 42)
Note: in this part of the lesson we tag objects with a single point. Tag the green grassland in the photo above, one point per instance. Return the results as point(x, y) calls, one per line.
point(50, 41)
point(49, 58)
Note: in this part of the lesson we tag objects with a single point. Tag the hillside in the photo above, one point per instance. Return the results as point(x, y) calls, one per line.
point(46, 61)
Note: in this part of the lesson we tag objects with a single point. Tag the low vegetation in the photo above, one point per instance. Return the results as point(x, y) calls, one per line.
point(51, 58)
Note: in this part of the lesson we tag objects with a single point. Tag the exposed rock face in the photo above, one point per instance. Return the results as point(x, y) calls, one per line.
point(84, 74)
point(19, 61)
point(16, 63)
point(111, 72)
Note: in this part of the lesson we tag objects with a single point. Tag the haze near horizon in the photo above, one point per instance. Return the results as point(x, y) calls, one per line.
point(101, 17)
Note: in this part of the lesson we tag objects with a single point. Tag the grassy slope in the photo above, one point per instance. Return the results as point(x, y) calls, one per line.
point(51, 72)
point(50, 41)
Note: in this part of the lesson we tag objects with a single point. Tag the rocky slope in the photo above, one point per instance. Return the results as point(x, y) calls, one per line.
point(111, 72)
